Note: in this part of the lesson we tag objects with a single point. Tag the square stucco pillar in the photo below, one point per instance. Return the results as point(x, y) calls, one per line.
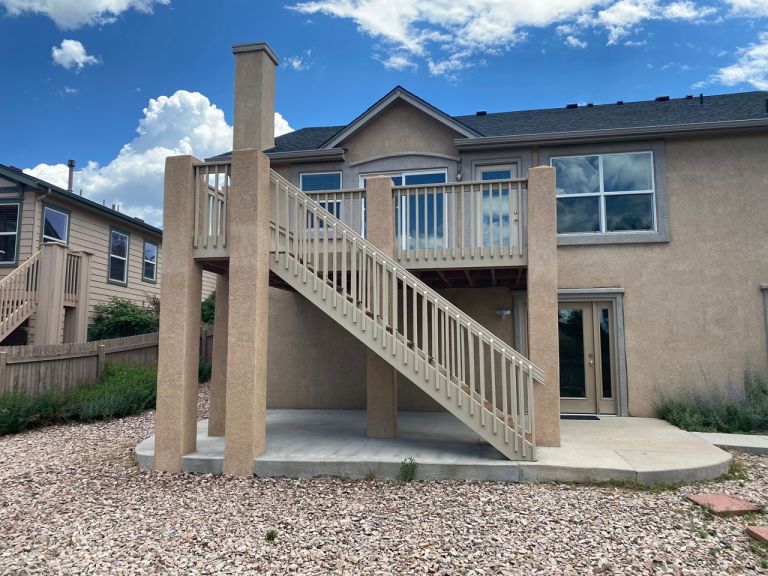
point(218, 406)
point(179, 346)
point(381, 378)
point(543, 347)
point(254, 111)
point(249, 235)
point(49, 328)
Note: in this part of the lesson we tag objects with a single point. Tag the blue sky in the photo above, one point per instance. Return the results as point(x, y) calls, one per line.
point(119, 85)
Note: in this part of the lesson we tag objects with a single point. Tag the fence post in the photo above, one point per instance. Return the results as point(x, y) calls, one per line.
point(102, 359)
point(3, 373)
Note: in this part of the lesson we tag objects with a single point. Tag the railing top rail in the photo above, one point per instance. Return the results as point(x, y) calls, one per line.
point(416, 284)
point(462, 183)
point(216, 163)
point(340, 191)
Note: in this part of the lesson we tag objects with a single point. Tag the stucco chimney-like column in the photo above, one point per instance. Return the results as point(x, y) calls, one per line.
point(254, 96)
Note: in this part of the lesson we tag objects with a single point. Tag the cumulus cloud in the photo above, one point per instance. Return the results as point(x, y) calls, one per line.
point(398, 62)
point(183, 123)
point(751, 67)
point(449, 35)
point(72, 54)
point(71, 14)
point(300, 62)
point(756, 8)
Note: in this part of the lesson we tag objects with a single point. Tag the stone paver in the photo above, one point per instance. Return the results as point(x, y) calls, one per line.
point(724, 504)
point(759, 533)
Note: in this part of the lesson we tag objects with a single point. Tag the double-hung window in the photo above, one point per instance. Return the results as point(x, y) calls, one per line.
point(149, 270)
point(9, 233)
point(605, 193)
point(420, 213)
point(118, 256)
point(314, 184)
point(55, 225)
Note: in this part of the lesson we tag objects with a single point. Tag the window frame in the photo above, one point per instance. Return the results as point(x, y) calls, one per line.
point(660, 200)
point(15, 262)
point(321, 173)
point(323, 203)
point(144, 278)
point(403, 174)
point(110, 280)
point(55, 208)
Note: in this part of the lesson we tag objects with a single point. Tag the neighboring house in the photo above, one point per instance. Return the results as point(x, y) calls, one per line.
point(622, 247)
point(104, 254)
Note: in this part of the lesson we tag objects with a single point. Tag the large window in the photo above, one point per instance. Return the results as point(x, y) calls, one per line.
point(420, 216)
point(605, 193)
point(118, 256)
point(9, 232)
point(318, 182)
point(149, 271)
point(55, 225)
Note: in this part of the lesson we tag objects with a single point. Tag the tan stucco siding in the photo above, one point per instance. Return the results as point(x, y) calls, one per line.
point(399, 129)
point(693, 308)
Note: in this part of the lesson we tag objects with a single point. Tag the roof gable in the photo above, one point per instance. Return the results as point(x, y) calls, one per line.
point(399, 93)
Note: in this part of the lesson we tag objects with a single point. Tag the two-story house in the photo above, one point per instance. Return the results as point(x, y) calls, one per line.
point(417, 260)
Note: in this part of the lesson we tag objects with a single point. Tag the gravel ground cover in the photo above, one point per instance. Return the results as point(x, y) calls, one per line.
point(72, 502)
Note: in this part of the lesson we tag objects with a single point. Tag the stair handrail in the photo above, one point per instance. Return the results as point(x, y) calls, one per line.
point(477, 329)
point(19, 288)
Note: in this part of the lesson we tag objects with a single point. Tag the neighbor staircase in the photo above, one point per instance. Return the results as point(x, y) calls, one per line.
point(19, 295)
point(465, 368)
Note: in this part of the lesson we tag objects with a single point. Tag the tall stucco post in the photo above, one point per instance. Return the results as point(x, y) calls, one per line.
point(543, 347)
point(179, 346)
point(248, 238)
point(381, 378)
point(50, 308)
point(218, 405)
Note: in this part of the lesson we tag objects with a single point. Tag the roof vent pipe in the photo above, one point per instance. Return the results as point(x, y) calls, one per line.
point(481, 113)
point(70, 182)
point(571, 106)
point(701, 98)
point(766, 105)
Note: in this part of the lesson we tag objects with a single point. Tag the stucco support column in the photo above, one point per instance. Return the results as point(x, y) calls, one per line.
point(381, 378)
point(254, 112)
point(543, 348)
point(49, 316)
point(217, 410)
point(179, 347)
point(246, 397)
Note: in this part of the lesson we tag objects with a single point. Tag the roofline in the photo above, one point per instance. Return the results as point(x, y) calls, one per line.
point(584, 136)
point(398, 92)
point(37, 183)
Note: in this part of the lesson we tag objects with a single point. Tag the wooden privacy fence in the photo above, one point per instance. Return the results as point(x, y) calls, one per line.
point(34, 370)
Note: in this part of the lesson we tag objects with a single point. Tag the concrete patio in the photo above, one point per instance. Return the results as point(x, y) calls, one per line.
point(334, 443)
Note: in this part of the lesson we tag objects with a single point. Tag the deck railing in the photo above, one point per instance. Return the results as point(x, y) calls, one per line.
point(425, 336)
point(19, 294)
point(212, 182)
point(72, 278)
point(467, 223)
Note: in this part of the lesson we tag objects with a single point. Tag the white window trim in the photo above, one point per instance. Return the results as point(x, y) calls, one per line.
point(14, 233)
point(301, 181)
point(145, 261)
point(50, 239)
point(402, 174)
point(123, 258)
point(602, 194)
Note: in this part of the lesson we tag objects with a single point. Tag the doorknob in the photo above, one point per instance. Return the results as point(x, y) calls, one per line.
point(591, 362)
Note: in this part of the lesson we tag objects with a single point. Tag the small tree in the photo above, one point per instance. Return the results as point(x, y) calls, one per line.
point(208, 309)
point(120, 317)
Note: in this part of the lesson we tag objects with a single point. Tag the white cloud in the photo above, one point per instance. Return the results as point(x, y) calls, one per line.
point(299, 62)
point(72, 54)
point(750, 68)
point(575, 42)
point(69, 90)
point(749, 7)
point(184, 123)
point(70, 14)
point(399, 62)
point(449, 34)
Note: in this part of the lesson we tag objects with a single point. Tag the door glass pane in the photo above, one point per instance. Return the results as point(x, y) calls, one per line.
point(495, 175)
point(578, 175)
point(627, 172)
point(578, 215)
point(425, 178)
point(605, 353)
point(571, 333)
point(431, 206)
point(631, 212)
point(495, 215)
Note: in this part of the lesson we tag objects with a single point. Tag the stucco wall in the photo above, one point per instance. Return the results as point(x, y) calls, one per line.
point(693, 307)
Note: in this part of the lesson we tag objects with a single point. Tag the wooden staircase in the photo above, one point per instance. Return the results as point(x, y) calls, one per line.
point(465, 368)
point(19, 295)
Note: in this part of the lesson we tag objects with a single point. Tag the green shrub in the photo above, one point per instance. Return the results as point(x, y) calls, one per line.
point(120, 317)
point(208, 309)
point(203, 372)
point(720, 411)
point(123, 390)
point(408, 470)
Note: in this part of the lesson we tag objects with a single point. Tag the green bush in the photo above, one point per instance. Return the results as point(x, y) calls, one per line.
point(208, 309)
point(123, 390)
point(120, 317)
point(203, 372)
point(408, 470)
point(720, 411)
